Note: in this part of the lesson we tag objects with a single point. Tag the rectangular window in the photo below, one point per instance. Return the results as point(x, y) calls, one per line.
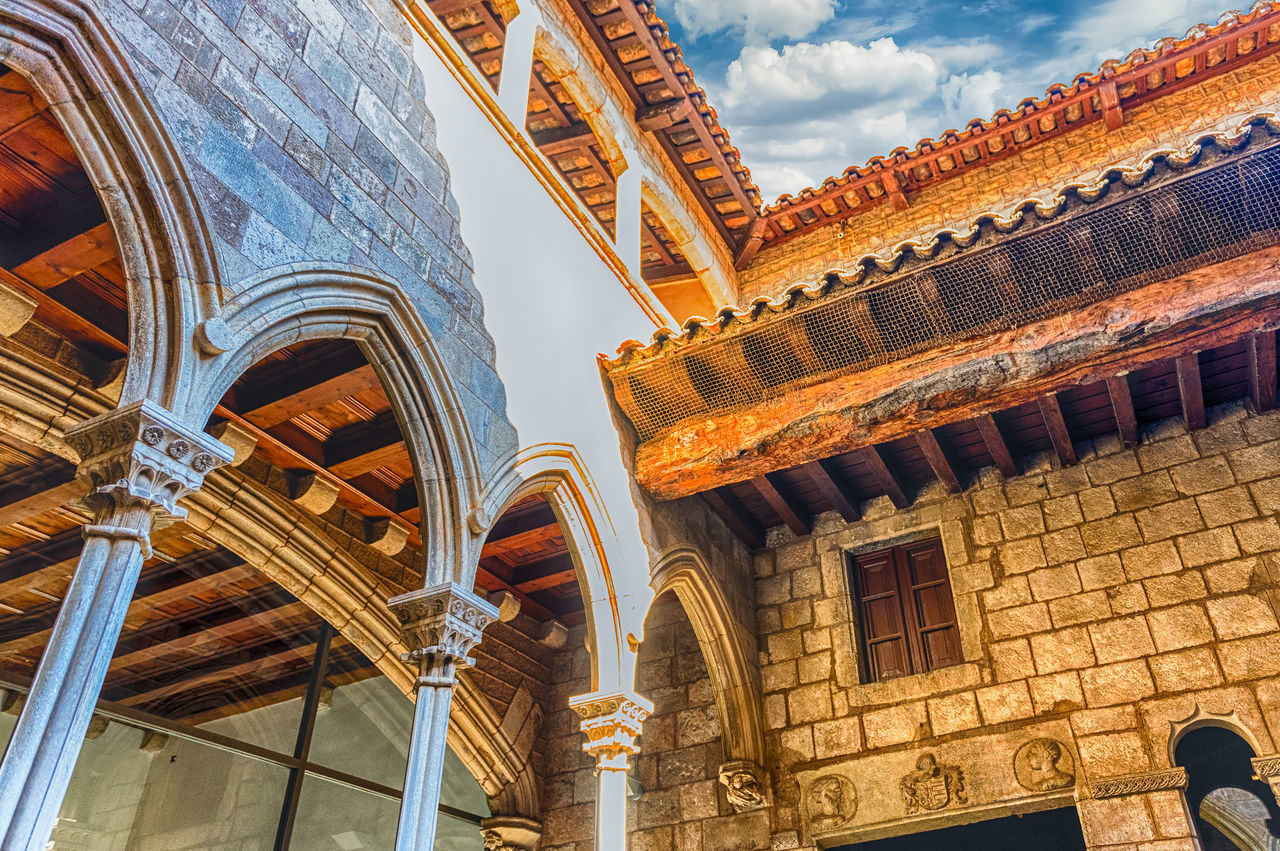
point(906, 613)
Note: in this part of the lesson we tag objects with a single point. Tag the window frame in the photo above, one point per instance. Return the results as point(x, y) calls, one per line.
point(911, 625)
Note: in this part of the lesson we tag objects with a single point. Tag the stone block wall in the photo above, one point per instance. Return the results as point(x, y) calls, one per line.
point(307, 134)
point(569, 782)
point(1038, 172)
point(1103, 606)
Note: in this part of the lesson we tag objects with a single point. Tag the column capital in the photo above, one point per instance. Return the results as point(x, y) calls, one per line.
point(141, 455)
point(611, 722)
point(442, 624)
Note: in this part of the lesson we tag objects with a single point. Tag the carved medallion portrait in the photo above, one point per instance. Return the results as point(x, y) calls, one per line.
point(831, 802)
point(932, 786)
point(1043, 765)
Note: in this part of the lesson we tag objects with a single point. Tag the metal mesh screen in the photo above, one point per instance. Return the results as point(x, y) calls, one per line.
point(1110, 246)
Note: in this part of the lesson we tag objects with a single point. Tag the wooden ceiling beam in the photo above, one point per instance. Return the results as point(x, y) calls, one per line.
point(575, 137)
point(831, 483)
point(1122, 406)
point(1056, 425)
point(740, 521)
point(776, 493)
point(307, 388)
point(491, 582)
point(1261, 350)
point(22, 510)
point(256, 668)
point(938, 461)
point(996, 445)
point(365, 446)
point(535, 537)
point(1191, 390)
point(887, 480)
point(62, 262)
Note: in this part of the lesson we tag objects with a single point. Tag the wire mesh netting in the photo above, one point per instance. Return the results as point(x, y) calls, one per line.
point(1107, 247)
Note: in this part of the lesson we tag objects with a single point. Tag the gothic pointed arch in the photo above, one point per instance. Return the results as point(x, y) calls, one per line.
point(82, 70)
point(735, 679)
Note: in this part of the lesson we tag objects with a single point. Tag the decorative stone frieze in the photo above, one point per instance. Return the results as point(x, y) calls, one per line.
point(932, 786)
point(611, 723)
point(141, 455)
point(1267, 769)
point(442, 625)
point(1136, 784)
point(510, 833)
point(744, 785)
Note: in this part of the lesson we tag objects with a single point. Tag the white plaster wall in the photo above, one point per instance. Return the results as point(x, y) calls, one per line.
point(551, 305)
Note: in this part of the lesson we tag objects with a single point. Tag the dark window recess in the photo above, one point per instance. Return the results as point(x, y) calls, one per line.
point(905, 611)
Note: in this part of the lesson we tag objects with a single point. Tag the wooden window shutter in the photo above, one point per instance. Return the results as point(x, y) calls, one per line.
point(908, 616)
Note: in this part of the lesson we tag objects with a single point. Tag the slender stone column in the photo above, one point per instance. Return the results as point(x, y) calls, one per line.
point(442, 624)
point(138, 461)
point(611, 722)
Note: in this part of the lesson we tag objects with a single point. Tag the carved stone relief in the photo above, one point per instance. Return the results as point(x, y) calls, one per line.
point(743, 785)
point(932, 786)
point(1136, 784)
point(1043, 765)
point(831, 802)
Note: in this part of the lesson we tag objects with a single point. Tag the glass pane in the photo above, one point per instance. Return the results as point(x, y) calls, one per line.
point(211, 642)
point(334, 817)
point(147, 792)
point(460, 834)
point(363, 723)
point(459, 789)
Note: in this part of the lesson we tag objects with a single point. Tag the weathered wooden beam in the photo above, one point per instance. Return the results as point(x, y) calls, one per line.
point(559, 140)
point(735, 516)
point(1056, 425)
point(365, 446)
point(491, 582)
point(307, 388)
point(772, 489)
point(22, 510)
point(827, 478)
point(937, 458)
point(660, 116)
point(1209, 307)
point(63, 262)
point(1112, 113)
point(535, 537)
point(750, 244)
point(1261, 349)
point(1122, 407)
point(996, 445)
point(1190, 390)
point(873, 457)
point(892, 188)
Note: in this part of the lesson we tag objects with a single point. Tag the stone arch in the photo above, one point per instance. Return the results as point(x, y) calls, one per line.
point(290, 549)
point(556, 471)
point(593, 103)
point(1229, 721)
point(77, 64)
point(735, 680)
point(287, 306)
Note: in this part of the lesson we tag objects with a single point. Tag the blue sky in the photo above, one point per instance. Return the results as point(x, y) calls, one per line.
point(809, 87)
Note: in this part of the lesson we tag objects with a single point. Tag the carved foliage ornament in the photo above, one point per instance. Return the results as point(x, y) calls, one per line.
point(743, 785)
point(141, 455)
point(831, 802)
point(1136, 784)
point(611, 723)
point(442, 624)
point(932, 786)
point(1044, 765)
point(1267, 769)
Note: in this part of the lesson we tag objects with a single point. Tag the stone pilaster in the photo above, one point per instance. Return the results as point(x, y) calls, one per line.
point(442, 625)
point(138, 461)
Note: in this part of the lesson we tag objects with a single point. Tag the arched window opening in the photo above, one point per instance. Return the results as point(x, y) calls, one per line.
point(668, 272)
point(56, 246)
point(1231, 808)
point(556, 126)
point(480, 28)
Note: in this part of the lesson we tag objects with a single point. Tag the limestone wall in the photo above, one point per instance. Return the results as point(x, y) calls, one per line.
point(1098, 606)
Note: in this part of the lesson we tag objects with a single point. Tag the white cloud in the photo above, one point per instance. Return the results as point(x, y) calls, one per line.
point(970, 96)
point(757, 20)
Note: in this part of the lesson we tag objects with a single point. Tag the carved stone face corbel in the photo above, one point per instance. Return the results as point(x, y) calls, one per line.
point(139, 455)
point(611, 723)
point(744, 785)
point(510, 833)
point(442, 625)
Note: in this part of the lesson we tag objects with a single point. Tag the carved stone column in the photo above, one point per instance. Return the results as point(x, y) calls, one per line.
point(510, 833)
point(442, 624)
point(612, 723)
point(138, 461)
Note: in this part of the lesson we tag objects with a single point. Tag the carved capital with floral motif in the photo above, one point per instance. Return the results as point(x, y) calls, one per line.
point(140, 455)
point(442, 624)
point(1267, 769)
point(611, 723)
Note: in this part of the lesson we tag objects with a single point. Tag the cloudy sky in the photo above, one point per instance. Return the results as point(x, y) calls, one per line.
point(809, 87)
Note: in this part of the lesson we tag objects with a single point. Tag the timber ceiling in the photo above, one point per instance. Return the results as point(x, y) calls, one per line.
point(204, 625)
point(479, 29)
